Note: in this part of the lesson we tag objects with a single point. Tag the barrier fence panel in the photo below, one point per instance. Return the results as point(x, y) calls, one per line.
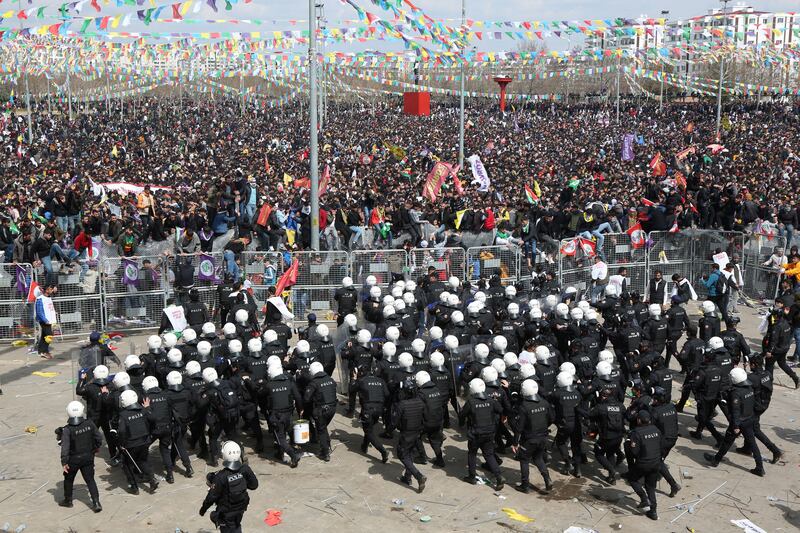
point(761, 282)
point(447, 262)
point(134, 289)
point(78, 300)
point(483, 262)
point(379, 263)
point(319, 274)
point(16, 315)
point(670, 253)
point(708, 244)
point(205, 270)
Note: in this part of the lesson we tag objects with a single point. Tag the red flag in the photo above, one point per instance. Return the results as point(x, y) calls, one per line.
point(263, 215)
point(648, 203)
point(588, 246)
point(95, 5)
point(302, 183)
point(658, 166)
point(371, 17)
point(637, 235)
point(365, 159)
point(674, 228)
point(324, 180)
point(267, 168)
point(176, 12)
point(288, 278)
point(570, 247)
point(33, 291)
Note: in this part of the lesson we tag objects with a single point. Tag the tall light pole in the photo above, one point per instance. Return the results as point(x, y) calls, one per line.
point(661, 63)
point(461, 96)
point(312, 111)
point(721, 64)
point(619, 67)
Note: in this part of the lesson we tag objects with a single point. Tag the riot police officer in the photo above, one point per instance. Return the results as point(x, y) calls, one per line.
point(373, 394)
point(228, 490)
point(734, 341)
point(99, 402)
point(282, 398)
point(761, 381)
point(320, 395)
point(481, 414)
point(643, 449)
point(565, 400)
point(709, 323)
point(531, 427)
point(445, 382)
point(159, 414)
point(707, 386)
point(180, 403)
point(133, 436)
point(80, 440)
point(665, 418)
point(435, 405)
point(346, 298)
point(608, 415)
point(410, 422)
point(677, 322)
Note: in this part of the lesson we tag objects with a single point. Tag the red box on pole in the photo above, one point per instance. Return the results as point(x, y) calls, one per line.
point(418, 104)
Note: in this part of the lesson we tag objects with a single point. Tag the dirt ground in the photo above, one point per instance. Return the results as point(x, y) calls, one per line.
point(354, 491)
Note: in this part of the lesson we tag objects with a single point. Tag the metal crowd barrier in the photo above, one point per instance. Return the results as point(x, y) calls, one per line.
point(103, 296)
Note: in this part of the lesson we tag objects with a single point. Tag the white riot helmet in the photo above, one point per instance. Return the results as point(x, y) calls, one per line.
point(550, 301)
point(270, 336)
point(397, 292)
point(444, 296)
point(500, 343)
point(363, 337)
point(399, 305)
point(511, 291)
point(389, 350)
point(392, 333)
point(422, 378)
point(235, 346)
point(347, 282)
point(210, 375)
point(254, 345)
point(406, 361)
point(603, 369)
point(411, 286)
point(100, 373)
point(418, 345)
point(75, 409)
point(132, 362)
point(351, 320)
point(527, 370)
point(375, 292)
point(480, 296)
point(323, 331)
point(149, 383)
point(242, 316)
point(611, 290)
point(570, 292)
point(437, 360)
point(451, 342)
point(715, 343)
point(274, 360)
point(477, 387)
point(576, 313)
point(489, 375)
point(170, 340)
point(535, 313)
point(174, 378)
point(231, 454)
point(204, 348)
point(189, 335)
point(452, 300)
point(273, 371)
point(654, 310)
point(209, 328)
point(738, 375)
point(564, 380)
point(316, 368)
point(500, 366)
point(154, 342)
point(606, 356)
point(400, 283)
point(590, 315)
point(584, 306)
point(568, 368)
point(708, 306)
point(513, 310)
point(454, 282)
point(562, 310)
point(530, 389)
point(387, 300)
point(302, 347)
point(481, 352)
point(128, 398)
point(192, 368)
point(474, 308)
point(228, 329)
point(436, 333)
point(408, 298)
point(371, 280)
point(174, 357)
point(510, 359)
point(542, 354)
point(388, 311)
point(457, 317)
point(534, 304)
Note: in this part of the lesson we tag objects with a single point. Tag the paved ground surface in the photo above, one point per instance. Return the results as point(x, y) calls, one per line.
point(358, 492)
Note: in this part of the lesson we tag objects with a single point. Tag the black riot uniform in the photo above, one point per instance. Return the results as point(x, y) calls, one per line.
point(435, 405)
point(199, 410)
point(181, 405)
point(481, 414)
point(608, 417)
point(707, 386)
point(532, 420)
point(159, 414)
point(565, 401)
point(373, 393)
point(325, 352)
point(643, 449)
point(346, 299)
point(133, 436)
point(665, 418)
point(742, 403)
point(677, 322)
point(282, 398)
point(446, 384)
point(656, 330)
point(359, 358)
point(321, 396)
point(410, 420)
point(80, 440)
point(99, 407)
point(708, 326)
point(735, 343)
point(761, 381)
point(228, 490)
point(222, 415)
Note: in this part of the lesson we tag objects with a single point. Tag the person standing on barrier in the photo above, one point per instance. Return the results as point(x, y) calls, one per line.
point(777, 342)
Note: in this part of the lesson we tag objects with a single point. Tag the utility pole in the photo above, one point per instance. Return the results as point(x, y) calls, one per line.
point(619, 67)
point(241, 88)
point(721, 65)
point(461, 94)
point(108, 93)
point(312, 112)
point(27, 90)
point(69, 94)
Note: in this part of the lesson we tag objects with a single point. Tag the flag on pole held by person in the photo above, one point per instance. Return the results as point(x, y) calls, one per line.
point(436, 177)
point(570, 248)
point(263, 215)
point(648, 203)
point(22, 280)
point(637, 235)
point(530, 195)
point(588, 246)
point(479, 174)
point(657, 165)
point(288, 278)
point(207, 268)
point(536, 189)
point(130, 272)
point(33, 291)
point(324, 180)
point(627, 147)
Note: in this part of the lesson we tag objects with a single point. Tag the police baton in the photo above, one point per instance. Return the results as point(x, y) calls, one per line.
point(131, 458)
point(455, 387)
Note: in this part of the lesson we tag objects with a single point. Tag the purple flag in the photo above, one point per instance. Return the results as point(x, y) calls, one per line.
point(130, 272)
point(627, 147)
point(212, 4)
point(22, 280)
point(207, 270)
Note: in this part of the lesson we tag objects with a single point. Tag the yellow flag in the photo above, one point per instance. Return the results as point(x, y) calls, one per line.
point(287, 179)
point(459, 216)
point(536, 189)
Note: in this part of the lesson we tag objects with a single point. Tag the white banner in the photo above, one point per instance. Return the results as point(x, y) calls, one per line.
point(479, 174)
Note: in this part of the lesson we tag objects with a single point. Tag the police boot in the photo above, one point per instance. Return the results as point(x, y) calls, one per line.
point(523, 487)
point(133, 489)
point(384, 457)
point(548, 484)
point(611, 478)
point(758, 472)
point(673, 490)
point(153, 483)
point(295, 461)
point(65, 503)
point(96, 507)
point(364, 446)
point(439, 462)
point(576, 470)
point(711, 458)
point(189, 471)
point(421, 484)
point(169, 477)
point(652, 514)
point(499, 483)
